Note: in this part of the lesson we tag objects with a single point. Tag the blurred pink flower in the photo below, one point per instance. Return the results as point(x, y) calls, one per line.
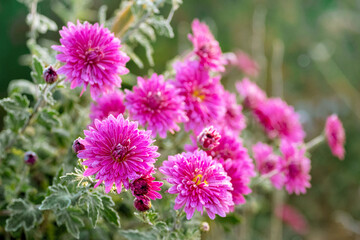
point(92, 57)
point(203, 100)
point(111, 103)
point(156, 104)
point(335, 135)
point(268, 163)
point(296, 167)
point(145, 186)
point(251, 94)
point(293, 218)
point(246, 64)
point(279, 120)
point(199, 183)
point(117, 151)
point(206, 47)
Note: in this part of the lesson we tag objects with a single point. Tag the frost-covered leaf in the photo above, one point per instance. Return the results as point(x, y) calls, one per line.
point(109, 213)
point(49, 118)
point(16, 104)
point(133, 56)
point(143, 41)
point(150, 5)
point(23, 214)
point(102, 14)
point(148, 31)
point(93, 204)
point(60, 198)
point(162, 26)
point(23, 86)
point(71, 218)
point(38, 69)
point(137, 235)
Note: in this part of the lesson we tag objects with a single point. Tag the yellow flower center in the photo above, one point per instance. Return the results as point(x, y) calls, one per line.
point(198, 94)
point(198, 179)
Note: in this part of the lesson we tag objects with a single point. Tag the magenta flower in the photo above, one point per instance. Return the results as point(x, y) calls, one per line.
point(199, 182)
point(239, 179)
point(233, 121)
point(279, 120)
point(268, 163)
point(145, 186)
point(117, 151)
point(112, 103)
point(92, 57)
point(296, 168)
point(335, 135)
point(231, 147)
point(251, 94)
point(203, 100)
point(156, 104)
point(246, 64)
point(293, 218)
point(206, 47)
point(208, 138)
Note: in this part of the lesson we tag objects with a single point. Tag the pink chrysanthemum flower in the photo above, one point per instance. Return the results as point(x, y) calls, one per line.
point(206, 47)
point(208, 138)
point(240, 180)
point(279, 120)
point(199, 182)
point(145, 186)
point(251, 94)
point(203, 100)
point(246, 64)
point(233, 120)
point(293, 218)
point(231, 147)
point(92, 57)
point(112, 103)
point(117, 151)
point(156, 104)
point(335, 135)
point(268, 163)
point(296, 168)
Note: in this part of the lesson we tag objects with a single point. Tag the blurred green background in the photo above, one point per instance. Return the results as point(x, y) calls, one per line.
point(317, 43)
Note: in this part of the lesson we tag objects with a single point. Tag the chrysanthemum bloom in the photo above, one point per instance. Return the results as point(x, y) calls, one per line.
point(30, 158)
point(92, 57)
point(206, 47)
point(246, 64)
point(240, 180)
point(208, 138)
point(293, 218)
point(279, 120)
point(145, 186)
point(156, 104)
point(296, 168)
point(142, 204)
point(200, 182)
point(231, 147)
point(251, 94)
point(203, 100)
point(117, 151)
point(335, 135)
point(112, 103)
point(77, 145)
point(233, 120)
point(268, 163)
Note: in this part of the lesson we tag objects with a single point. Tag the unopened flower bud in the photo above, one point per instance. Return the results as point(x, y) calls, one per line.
point(204, 227)
point(208, 139)
point(142, 204)
point(30, 158)
point(77, 145)
point(50, 75)
point(140, 187)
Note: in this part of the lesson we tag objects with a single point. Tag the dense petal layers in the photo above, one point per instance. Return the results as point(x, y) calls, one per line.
point(335, 136)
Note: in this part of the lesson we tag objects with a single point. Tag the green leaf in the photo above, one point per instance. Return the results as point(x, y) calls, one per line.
point(136, 235)
point(102, 14)
point(49, 118)
point(148, 31)
point(23, 86)
point(60, 198)
point(16, 104)
point(133, 56)
point(23, 214)
point(162, 26)
point(109, 213)
point(143, 41)
point(38, 69)
point(71, 218)
point(93, 204)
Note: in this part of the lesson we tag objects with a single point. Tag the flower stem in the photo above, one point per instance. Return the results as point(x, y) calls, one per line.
point(276, 223)
point(314, 142)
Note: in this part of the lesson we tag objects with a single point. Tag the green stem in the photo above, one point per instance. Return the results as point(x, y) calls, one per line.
point(315, 142)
